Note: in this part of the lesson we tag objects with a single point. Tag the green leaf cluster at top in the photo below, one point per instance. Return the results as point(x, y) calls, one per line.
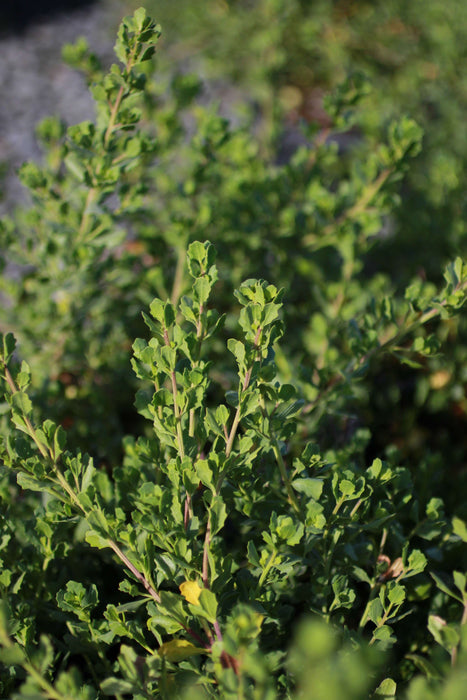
point(172, 362)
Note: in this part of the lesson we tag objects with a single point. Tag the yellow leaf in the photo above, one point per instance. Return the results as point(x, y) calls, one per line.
point(179, 649)
point(259, 621)
point(190, 591)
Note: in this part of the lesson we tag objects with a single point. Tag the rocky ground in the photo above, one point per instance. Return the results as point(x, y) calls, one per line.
point(35, 82)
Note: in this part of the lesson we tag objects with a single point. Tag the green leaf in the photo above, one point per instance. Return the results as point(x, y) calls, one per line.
point(22, 403)
point(375, 611)
point(460, 580)
point(249, 403)
point(232, 398)
point(314, 515)
point(375, 468)
point(208, 603)
point(312, 488)
point(344, 596)
point(453, 272)
point(5, 577)
point(416, 562)
point(396, 594)
point(346, 487)
point(172, 604)
point(169, 315)
point(360, 575)
point(59, 441)
point(287, 392)
point(384, 635)
point(27, 481)
point(435, 508)
point(186, 307)
point(95, 540)
point(222, 415)
point(427, 668)
point(167, 624)
point(460, 528)
point(202, 290)
point(386, 689)
point(446, 635)
point(139, 17)
point(205, 474)
point(77, 599)
point(289, 530)
point(156, 309)
point(270, 313)
point(290, 410)
point(201, 258)
point(238, 350)
point(218, 513)
point(115, 686)
point(253, 556)
point(75, 166)
point(12, 655)
point(8, 345)
point(43, 656)
point(445, 588)
point(179, 650)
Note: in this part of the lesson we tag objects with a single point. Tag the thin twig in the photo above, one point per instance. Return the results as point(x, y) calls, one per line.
point(137, 574)
point(387, 341)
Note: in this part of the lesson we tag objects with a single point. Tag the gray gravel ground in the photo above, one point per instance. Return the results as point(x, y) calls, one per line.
point(35, 83)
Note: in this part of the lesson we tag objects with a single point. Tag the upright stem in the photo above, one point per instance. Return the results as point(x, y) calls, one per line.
point(228, 450)
point(284, 475)
point(455, 650)
point(197, 354)
point(52, 694)
point(90, 199)
point(386, 342)
point(374, 586)
point(178, 428)
point(246, 382)
point(31, 432)
point(50, 691)
point(266, 569)
point(137, 574)
point(368, 194)
point(364, 617)
point(207, 544)
point(233, 432)
point(177, 414)
point(94, 191)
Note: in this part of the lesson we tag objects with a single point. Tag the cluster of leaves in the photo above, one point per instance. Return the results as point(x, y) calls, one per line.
point(182, 554)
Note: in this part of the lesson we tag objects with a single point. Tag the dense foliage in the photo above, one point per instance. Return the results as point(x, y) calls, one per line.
point(274, 515)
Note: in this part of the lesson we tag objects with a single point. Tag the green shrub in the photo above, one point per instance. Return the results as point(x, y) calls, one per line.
point(243, 533)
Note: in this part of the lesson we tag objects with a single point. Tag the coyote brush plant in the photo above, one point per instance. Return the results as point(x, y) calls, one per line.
point(236, 536)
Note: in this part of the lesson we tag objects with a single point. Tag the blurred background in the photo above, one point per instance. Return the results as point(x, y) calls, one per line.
point(275, 59)
point(19, 15)
point(35, 82)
